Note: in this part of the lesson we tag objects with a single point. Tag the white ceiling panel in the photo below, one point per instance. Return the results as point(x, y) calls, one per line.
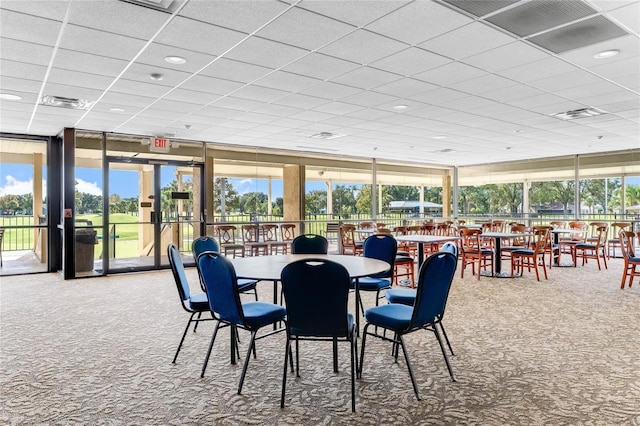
point(329, 90)
point(88, 63)
point(405, 87)
point(628, 16)
point(101, 43)
point(407, 24)
point(235, 71)
point(368, 99)
point(341, 108)
point(505, 57)
point(308, 30)
point(319, 66)
point(454, 72)
point(261, 94)
point(367, 78)
point(266, 53)
point(287, 81)
point(301, 101)
point(30, 53)
point(211, 85)
point(19, 26)
point(358, 13)
point(54, 10)
point(410, 61)
point(155, 54)
point(363, 47)
point(212, 40)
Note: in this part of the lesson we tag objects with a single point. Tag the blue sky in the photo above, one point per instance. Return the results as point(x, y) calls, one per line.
point(18, 178)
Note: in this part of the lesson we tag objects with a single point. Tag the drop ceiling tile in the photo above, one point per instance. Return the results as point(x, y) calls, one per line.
point(54, 10)
point(257, 118)
point(246, 16)
point(505, 57)
point(71, 91)
point(363, 47)
point(142, 73)
point(630, 66)
point(599, 88)
point(117, 17)
point(237, 124)
point(29, 53)
point(88, 63)
point(332, 91)
point(467, 41)
point(614, 96)
point(407, 24)
point(512, 92)
point(191, 96)
point(358, 13)
point(211, 85)
point(235, 71)
point(484, 84)
point(320, 66)
point(179, 33)
point(138, 88)
point(237, 103)
point(16, 69)
point(155, 53)
point(177, 107)
point(411, 105)
point(304, 29)
point(158, 114)
point(370, 114)
point(278, 110)
point(468, 103)
point(342, 121)
point(287, 81)
point(368, 99)
point(80, 79)
point(629, 47)
point(125, 100)
point(565, 80)
point(266, 53)
point(454, 72)
point(312, 115)
point(102, 43)
point(301, 101)
point(19, 26)
point(410, 61)
point(405, 87)
point(261, 94)
point(548, 67)
point(366, 78)
point(338, 108)
point(289, 123)
point(628, 16)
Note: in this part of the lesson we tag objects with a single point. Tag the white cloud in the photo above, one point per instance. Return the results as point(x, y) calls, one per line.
point(245, 182)
point(88, 187)
point(17, 187)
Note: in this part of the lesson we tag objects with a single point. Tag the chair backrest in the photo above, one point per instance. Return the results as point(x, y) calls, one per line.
point(434, 283)
point(470, 239)
point(558, 224)
point(540, 239)
point(219, 278)
point(202, 244)
point(616, 227)
point(310, 244)
point(287, 231)
point(626, 244)
point(316, 292)
point(382, 247)
point(348, 237)
point(601, 233)
point(226, 234)
point(270, 232)
point(179, 275)
point(250, 233)
point(450, 247)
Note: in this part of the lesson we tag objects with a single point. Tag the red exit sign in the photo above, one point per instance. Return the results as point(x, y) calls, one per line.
point(159, 145)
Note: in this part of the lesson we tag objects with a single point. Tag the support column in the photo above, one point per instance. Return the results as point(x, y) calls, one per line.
point(421, 198)
point(526, 186)
point(39, 234)
point(455, 193)
point(379, 198)
point(576, 201)
point(196, 202)
point(446, 195)
point(208, 191)
point(623, 197)
point(269, 204)
point(329, 199)
point(374, 204)
point(293, 192)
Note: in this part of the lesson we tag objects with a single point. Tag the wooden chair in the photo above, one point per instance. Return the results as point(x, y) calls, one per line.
point(594, 249)
point(287, 235)
point(270, 237)
point(227, 239)
point(532, 256)
point(567, 245)
point(514, 243)
point(615, 242)
point(349, 245)
point(557, 224)
point(251, 240)
point(631, 262)
point(473, 252)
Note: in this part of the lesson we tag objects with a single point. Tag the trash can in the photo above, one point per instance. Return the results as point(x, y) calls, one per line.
point(86, 240)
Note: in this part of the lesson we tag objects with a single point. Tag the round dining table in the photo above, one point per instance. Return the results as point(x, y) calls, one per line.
point(269, 268)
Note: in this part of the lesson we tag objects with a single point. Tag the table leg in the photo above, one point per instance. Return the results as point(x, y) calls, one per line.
point(420, 254)
point(497, 261)
point(357, 293)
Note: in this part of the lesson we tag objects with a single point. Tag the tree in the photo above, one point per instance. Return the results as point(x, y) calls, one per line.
point(254, 202)
point(506, 196)
point(344, 200)
point(9, 204)
point(474, 200)
point(231, 198)
point(315, 201)
point(564, 193)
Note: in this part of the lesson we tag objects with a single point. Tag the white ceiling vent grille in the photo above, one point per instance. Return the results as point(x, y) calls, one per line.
point(70, 103)
point(326, 135)
point(540, 15)
point(581, 34)
point(579, 113)
point(161, 5)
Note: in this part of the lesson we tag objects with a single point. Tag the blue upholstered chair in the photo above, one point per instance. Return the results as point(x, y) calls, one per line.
point(408, 296)
point(382, 247)
point(309, 244)
point(434, 283)
point(220, 281)
point(316, 293)
point(206, 243)
point(195, 304)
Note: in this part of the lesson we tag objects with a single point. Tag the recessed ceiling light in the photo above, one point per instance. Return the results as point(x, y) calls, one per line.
point(400, 107)
point(606, 54)
point(9, 97)
point(178, 60)
point(518, 131)
point(116, 109)
point(440, 137)
point(507, 148)
point(156, 76)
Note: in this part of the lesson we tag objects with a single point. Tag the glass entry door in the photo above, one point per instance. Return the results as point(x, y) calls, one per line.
point(150, 205)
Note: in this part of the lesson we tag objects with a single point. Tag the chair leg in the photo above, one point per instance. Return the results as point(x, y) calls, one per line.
point(246, 361)
point(364, 342)
point(444, 333)
point(185, 334)
point(297, 358)
point(444, 353)
point(213, 339)
point(335, 354)
point(197, 321)
point(406, 359)
point(354, 366)
point(284, 371)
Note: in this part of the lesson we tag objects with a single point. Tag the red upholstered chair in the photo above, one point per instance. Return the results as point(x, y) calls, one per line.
point(631, 261)
point(473, 252)
point(533, 256)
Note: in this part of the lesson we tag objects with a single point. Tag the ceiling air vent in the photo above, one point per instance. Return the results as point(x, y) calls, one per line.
point(61, 102)
point(579, 113)
point(326, 135)
point(161, 5)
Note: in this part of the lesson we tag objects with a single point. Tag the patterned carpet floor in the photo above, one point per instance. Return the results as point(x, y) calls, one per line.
point(565, 351)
